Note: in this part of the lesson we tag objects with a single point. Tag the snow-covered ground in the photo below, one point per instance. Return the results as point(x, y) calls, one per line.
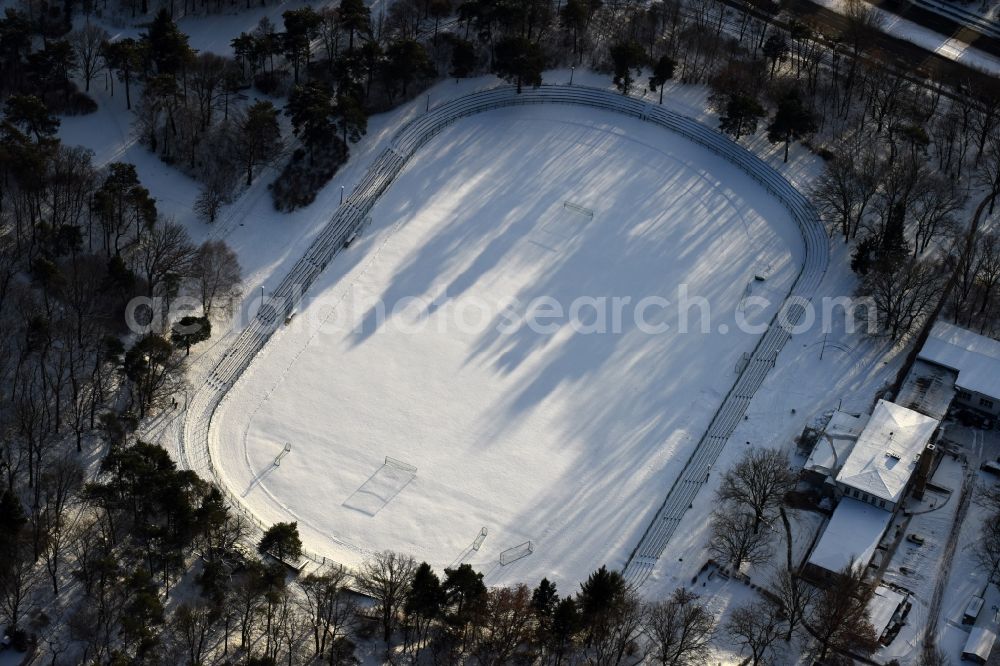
point(914, 568)
point(268, 243)
point(801, 386)
point(967, 577)
point(563, 438)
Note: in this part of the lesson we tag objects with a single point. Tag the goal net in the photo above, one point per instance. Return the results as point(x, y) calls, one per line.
point(400, 465)
point(577, 208)
point(516, 553)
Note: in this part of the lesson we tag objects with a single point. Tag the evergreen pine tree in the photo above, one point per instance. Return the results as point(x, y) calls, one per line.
point(863, 255)
point(354, 17)
point(282, 541)
point(598, 599)
point(627, 59)
point(165, 46)
point(311, 109)
point(189, 331)
point(893, 248)
point(741, 115)
point(12, 521)
point(663, 71)
point(520, 61)
point(792, 121)
point(464, 593)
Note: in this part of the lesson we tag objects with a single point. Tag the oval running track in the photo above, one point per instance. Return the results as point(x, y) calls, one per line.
point(195, 453)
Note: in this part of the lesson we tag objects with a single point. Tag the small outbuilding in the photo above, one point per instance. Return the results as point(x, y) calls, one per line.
point(852, 535)
point(979, 645)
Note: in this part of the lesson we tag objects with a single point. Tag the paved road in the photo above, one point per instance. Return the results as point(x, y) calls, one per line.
point(948, 19)
point(944, 571)
point(905, 56)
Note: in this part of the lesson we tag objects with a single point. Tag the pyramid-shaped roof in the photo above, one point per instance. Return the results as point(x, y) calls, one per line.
point(886, 453)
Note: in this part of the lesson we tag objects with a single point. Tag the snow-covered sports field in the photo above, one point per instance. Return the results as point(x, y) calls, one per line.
point(524, 355)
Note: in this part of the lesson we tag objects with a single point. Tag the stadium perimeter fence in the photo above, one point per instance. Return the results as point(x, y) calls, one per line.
point(347, 220)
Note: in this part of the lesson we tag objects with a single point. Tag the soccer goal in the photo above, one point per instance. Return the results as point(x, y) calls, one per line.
point(577, 208)
point(400, 465)
point(480, 538)
point(742, 362)
point(284, 452)
point(747, 291)
point(516, 553)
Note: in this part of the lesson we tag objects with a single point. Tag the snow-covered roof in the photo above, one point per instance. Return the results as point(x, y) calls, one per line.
point(844, 425)
point(886, 453)
point(980, 642)
point(974, 357)
point(882, 606)
point(854, 531)
point(928, 388)
point(835, 443)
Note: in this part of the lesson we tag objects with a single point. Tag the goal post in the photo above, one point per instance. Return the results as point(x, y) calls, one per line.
point(516, 553)
point(742, 362)
point(577, 208)
point(284, 452)
point(400, 465)
point(478, 543)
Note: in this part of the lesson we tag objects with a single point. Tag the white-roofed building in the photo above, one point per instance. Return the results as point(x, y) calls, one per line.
point(886, 455)
point(976, 359)
point(852, 535)
point(979, 645)
point(883, 608)
point(834, 444)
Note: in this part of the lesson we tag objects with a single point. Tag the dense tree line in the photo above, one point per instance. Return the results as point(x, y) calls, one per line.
point(89, 274)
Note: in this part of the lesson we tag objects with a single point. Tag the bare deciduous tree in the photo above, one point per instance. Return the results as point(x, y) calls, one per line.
point(329, 607)
point(734, 542)
point(618, 639)
point(60, 482)
point(216, 192)
point(839, 617)
point(680, 629)
point(504, 626)
point(847, 186)
point(988, 174)
point(88, 45)
point(386, 578)
point(215, 270)
point(903, 296)
point(191, 626)
point(755, 628)
point(17, 584)
point(795, 596)
point(932, 209)
point(164, 251)
point(987, 548)
point(758, 482)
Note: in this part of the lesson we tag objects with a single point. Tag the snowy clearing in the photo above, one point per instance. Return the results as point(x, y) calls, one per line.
point(568, 440)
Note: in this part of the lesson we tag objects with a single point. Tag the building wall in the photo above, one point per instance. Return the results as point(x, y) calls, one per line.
point(978, 402)
point(848, 491)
